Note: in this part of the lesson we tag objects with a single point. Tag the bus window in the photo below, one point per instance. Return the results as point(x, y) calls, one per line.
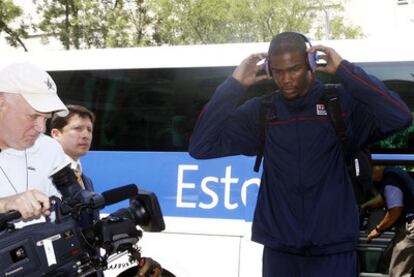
point(156, 109)
point(142, 109)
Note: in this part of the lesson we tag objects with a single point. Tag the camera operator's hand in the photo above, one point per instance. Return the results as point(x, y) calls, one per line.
point(246, 72)
point(332, 58)
point(32, 203)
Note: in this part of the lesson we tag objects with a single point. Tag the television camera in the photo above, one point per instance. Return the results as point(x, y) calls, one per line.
point(70, 245)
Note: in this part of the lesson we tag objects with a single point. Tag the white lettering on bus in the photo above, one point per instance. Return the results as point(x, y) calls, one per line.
point(227, 181)
point(181, 185)
point(210, 192)
point(245, 186)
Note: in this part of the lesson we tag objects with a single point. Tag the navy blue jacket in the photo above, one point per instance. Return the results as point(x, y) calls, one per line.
point(88, 218)
point(305, 203)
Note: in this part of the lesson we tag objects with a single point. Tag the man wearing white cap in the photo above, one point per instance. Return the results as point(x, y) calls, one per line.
point(27, 98)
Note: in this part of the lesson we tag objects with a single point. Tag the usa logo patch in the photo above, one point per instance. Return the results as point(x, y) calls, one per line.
point(320, 109)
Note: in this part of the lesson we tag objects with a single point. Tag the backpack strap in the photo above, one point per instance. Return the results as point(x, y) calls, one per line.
point(330, 98)
point(267, 109)
point(357, 160)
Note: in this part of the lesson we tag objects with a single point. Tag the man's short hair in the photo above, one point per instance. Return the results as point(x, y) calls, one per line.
point(287, 42)
point(59, 122)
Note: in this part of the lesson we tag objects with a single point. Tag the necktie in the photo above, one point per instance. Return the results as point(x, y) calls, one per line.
point(78, 173)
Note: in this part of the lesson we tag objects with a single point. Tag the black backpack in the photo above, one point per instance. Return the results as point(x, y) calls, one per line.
point(358, 161)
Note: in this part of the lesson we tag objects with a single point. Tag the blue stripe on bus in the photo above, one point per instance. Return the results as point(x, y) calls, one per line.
point(390, 157)
point(220, 188)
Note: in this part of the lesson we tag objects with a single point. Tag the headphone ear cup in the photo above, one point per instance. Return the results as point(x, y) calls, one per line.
point(266, 67)
point(312, 58)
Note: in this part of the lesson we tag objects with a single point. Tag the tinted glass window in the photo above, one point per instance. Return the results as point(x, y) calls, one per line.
point(156, 109)
point(144, 109)
point(399, 77)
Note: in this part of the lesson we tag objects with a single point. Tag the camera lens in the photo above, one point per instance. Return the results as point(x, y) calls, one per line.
point(66, 182)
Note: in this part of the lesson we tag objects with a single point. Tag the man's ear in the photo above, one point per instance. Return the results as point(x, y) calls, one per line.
point(55, 133)
point(3, 103)
point(2, 100)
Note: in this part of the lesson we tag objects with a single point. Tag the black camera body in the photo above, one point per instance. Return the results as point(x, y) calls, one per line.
point(68, 246)
point(42, 249)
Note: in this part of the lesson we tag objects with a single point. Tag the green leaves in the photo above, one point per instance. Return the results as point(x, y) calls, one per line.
point(224, 21)
point(130, 23)
point(9, 13)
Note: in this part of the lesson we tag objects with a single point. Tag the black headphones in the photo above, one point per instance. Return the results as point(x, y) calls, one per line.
point(311, 58)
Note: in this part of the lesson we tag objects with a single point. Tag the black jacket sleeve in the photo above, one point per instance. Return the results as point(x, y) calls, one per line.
point(377, 111)
point(224, 128)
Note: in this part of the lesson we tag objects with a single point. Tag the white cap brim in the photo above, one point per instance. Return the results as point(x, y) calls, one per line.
point(46, 103)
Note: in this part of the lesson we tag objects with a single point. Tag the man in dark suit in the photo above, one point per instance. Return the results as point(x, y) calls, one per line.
point(74, 133)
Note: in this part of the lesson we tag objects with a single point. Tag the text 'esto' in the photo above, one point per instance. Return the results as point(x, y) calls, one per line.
point(212, 189)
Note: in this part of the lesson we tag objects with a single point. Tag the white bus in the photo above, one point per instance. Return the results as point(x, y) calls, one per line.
point(146, 101)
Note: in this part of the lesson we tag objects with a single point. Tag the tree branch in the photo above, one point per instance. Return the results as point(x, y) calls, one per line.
point(12, 34)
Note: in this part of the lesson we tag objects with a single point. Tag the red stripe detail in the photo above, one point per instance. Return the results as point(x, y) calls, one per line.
point(389, 98)
point(299, 119)
point(202, 112)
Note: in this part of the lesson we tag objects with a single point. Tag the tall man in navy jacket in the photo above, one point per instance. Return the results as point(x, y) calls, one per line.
point(306, 215)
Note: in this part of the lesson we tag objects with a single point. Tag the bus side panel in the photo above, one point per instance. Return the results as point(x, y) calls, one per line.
point(222, 188)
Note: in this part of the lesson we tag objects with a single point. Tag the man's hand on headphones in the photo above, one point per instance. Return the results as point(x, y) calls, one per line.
point(246, 72)
point(333, 60)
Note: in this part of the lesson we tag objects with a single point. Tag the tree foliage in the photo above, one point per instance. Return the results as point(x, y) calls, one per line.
point(216, 21)
point(129, 23)
point(95, 23)
point(9, 13)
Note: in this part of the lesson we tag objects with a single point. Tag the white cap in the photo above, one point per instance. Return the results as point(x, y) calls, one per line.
point(35, 85)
